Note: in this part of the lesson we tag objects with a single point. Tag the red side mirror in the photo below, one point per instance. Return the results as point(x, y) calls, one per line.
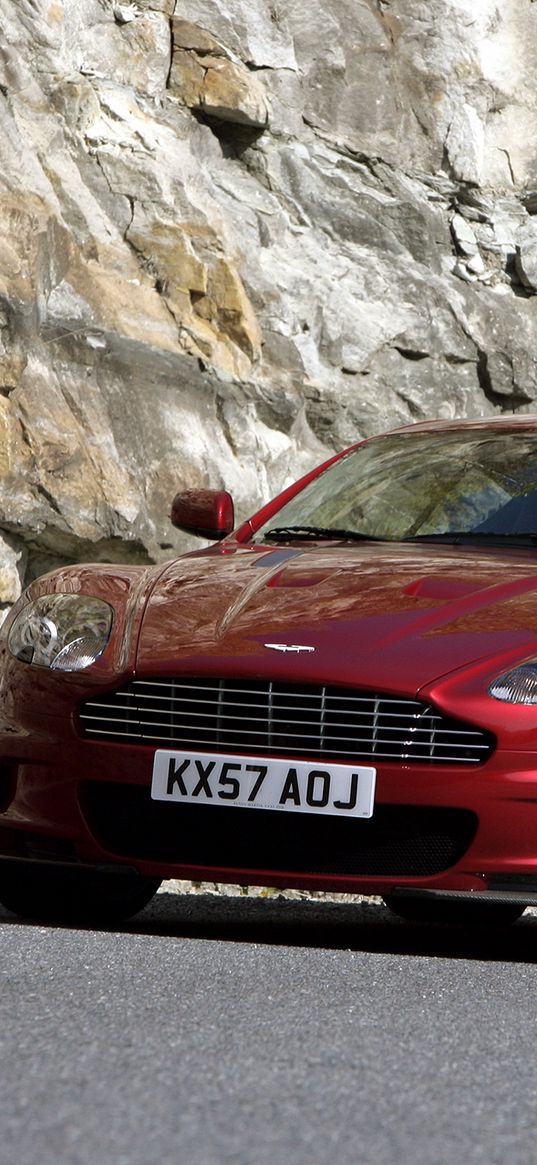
point(206, 512)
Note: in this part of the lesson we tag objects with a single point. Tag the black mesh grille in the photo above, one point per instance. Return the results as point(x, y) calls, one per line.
point(260, 717)
point(399, 840)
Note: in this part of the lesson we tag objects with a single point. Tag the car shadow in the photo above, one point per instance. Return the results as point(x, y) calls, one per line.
point(366, 926)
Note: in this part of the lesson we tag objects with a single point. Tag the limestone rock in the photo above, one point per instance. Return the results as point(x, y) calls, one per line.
point(131, 50)
point(260, 34)
point(204, 76)
point(230, 93)
point(238, 234)
point(12, 569)
point(526, 255)
point(464, 235)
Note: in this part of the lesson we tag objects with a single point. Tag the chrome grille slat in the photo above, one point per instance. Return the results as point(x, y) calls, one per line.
point(300, 694)
point(282, 736)
point(424, 739)
point(269, 717)
point(204, 745)
point(432, 717)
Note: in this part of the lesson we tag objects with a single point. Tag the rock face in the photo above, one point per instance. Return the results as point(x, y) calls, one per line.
point(236, 235)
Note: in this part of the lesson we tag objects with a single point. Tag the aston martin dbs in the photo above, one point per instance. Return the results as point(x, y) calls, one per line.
point(340, 694)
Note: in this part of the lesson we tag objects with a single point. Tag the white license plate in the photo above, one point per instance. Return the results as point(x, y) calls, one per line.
point(252, 782)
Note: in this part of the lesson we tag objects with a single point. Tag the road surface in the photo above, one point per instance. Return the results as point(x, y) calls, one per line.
point(242, 1031)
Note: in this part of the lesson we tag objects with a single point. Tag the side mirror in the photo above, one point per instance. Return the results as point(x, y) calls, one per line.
point(208, 513)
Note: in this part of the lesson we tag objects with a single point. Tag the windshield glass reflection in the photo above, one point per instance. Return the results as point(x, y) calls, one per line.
point(478, 483)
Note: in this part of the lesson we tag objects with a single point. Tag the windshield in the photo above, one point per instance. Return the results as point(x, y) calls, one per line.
point(474, 484)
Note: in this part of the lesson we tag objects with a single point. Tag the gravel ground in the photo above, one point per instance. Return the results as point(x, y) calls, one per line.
point(229, 890)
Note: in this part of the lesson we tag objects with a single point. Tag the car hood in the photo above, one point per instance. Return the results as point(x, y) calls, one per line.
point(389, 616)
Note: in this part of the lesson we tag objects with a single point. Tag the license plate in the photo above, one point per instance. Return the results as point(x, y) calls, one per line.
point(252, 782)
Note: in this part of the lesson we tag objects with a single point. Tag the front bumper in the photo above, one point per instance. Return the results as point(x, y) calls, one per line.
point(46, 815)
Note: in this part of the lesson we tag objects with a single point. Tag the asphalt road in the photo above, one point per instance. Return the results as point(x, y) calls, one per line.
point(264, 1032)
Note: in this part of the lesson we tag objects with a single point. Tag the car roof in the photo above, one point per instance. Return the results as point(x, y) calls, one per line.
point(510, 421)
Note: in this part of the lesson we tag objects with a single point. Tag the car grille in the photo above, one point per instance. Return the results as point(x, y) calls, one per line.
point(261, 717)
point(398, 841)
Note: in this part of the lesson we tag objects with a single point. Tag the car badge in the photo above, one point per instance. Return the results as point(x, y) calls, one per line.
point(289, 646)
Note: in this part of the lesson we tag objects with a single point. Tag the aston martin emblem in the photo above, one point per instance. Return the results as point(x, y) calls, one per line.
point(289, 646)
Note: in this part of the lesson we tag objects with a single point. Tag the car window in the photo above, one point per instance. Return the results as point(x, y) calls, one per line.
point(411, 485)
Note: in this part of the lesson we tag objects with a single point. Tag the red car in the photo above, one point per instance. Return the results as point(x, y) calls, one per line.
point(340, 695)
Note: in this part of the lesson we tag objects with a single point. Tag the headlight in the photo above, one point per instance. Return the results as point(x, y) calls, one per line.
point(66, 632)
point(518, 686)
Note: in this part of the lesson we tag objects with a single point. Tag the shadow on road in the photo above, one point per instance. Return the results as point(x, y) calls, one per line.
point(364, 926)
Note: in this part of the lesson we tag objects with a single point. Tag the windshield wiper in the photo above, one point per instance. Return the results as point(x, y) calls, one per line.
point(314, 533)
point(453, 538)
point(456, 537)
